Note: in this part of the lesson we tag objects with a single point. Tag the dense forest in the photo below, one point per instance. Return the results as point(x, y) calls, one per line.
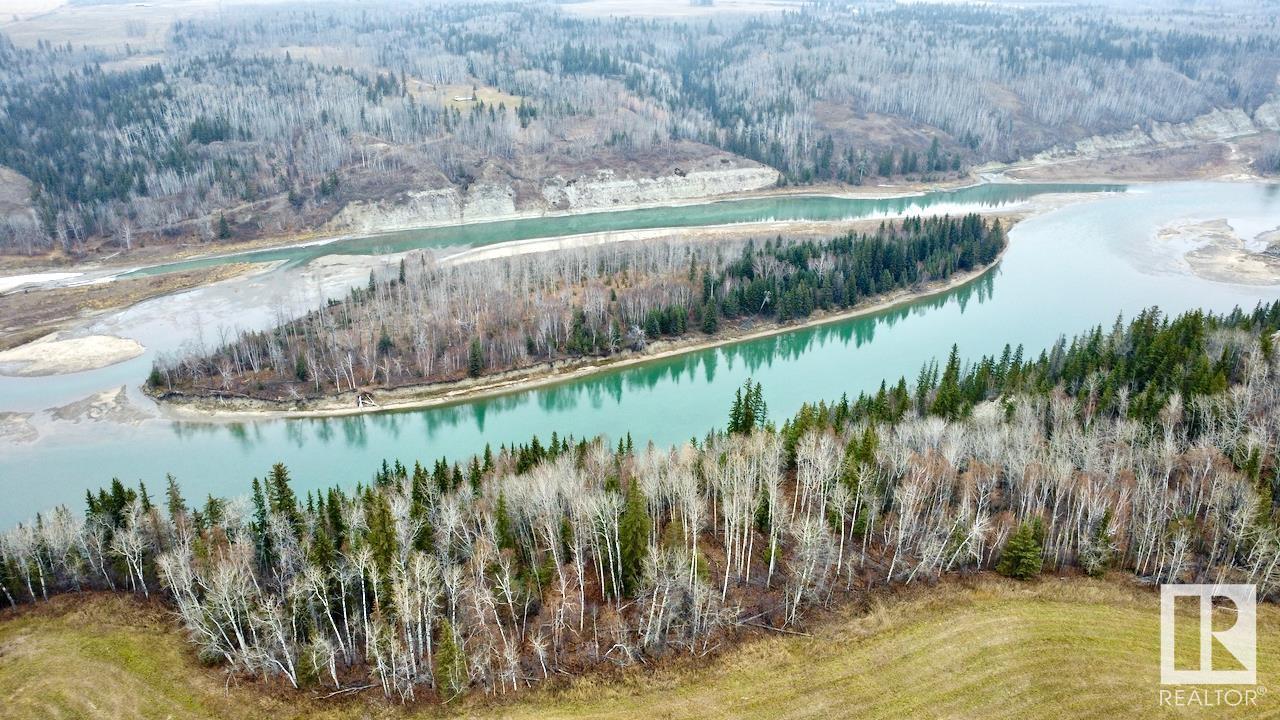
point(1149, 448)
point(265, 120)
point(436, 322)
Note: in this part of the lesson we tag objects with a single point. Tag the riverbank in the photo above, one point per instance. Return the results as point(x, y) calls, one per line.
point(1109, 159)
point(158, 256)
point(1081, 266)
point(744, 230)
point(179, 405)
point(29, 314)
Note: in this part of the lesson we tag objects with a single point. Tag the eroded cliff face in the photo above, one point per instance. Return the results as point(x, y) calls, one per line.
point(601, 190)
point(417, 208)
point(1214, 126)
point(606, 189)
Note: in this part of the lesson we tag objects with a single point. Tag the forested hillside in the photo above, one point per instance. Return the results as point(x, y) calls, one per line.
point(262, 121)
point(1149, 448)
point(433, 323)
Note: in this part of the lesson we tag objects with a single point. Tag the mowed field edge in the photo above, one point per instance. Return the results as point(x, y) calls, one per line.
point(978, 648)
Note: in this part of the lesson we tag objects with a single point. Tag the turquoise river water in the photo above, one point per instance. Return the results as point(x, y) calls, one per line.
point(1068, 269)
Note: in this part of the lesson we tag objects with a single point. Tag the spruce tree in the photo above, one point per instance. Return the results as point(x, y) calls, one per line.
point(759, 409)
point(475, 359)
point(451, 664)
point(382, 532)
point(474, 476)
point(947, 403)
point(1095, 557)
point(281, 497)
point(735, 413)
point(633, 536)
point(173, 495)
point(258, 527)
point(337, 526)
point(1022, 558)
point(710, 318)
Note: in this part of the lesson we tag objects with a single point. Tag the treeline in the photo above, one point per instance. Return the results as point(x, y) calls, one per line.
point(129, 154)
point(498, 571)
point(258, 104)
point(1134, 371)
point(430, 323)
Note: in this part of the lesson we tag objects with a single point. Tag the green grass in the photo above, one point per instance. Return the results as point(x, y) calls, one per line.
point(984, 648)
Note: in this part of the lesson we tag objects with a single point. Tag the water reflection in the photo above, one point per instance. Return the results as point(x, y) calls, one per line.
point(1065, 272)
point(609, 388)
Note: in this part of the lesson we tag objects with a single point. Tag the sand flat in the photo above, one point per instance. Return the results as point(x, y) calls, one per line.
point(1215, 251)
point(52, 356)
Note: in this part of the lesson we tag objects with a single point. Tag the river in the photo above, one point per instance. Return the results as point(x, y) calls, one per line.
point(1065, 271)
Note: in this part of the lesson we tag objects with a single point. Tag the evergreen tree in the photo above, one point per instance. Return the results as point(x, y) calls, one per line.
point(173, 498)
point(948, 402)
point(1096, 555)
point(321, 552)
point(281, 497)
point(633, 537)
point(475, 358)
point(1023, 557)
point(451, 664)
point(710, 318)
point(258, 527)
point(337, 526)
point(749, 410)
point(381, 534)
point(474, 476)
point(759, 410)
point(735, 413)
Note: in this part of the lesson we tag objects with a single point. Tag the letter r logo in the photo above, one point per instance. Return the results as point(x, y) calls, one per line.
point(1240, 640)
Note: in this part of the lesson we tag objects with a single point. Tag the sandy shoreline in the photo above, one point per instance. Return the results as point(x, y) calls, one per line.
point(26, 360)
point(51, 355)
point(184, 407)
point(322, 237)
point(1083, 169)
point(1010, 214)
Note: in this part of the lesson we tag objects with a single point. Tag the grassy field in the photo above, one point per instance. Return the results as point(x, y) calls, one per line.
point(986, 648)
